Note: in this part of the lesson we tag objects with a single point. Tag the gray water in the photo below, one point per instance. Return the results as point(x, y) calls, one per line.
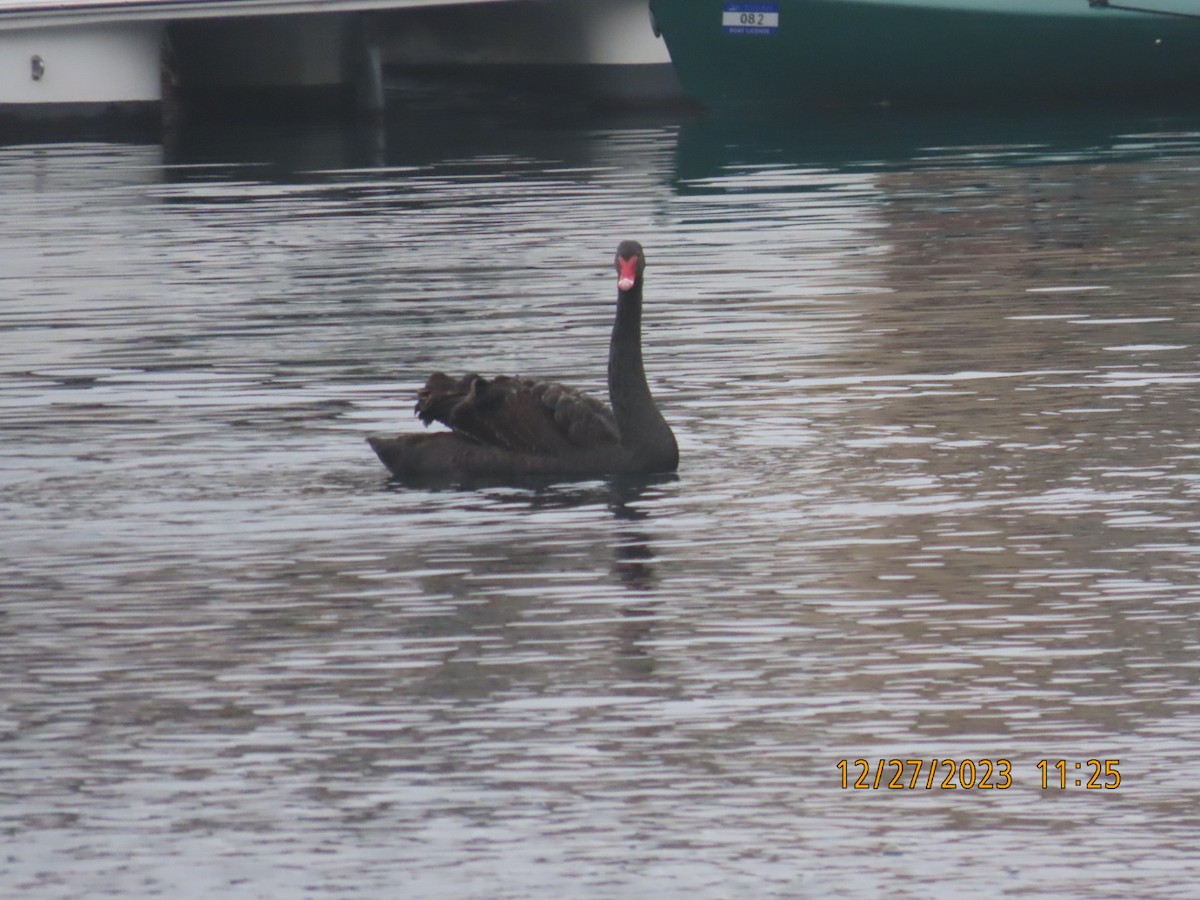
point(935, 389)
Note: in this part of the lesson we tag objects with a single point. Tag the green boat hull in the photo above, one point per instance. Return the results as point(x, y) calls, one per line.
point(904, 52)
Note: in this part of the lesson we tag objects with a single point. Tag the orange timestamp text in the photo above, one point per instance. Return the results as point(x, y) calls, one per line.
point(930, 774)
point(972, 774)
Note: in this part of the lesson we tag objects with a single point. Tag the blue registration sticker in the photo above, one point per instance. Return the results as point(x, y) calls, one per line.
point(750, 18)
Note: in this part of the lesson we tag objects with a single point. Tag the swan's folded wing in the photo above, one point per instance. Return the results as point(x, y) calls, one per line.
point(519, 414)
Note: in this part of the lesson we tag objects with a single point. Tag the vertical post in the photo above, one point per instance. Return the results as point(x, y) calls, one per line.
point(369, 75)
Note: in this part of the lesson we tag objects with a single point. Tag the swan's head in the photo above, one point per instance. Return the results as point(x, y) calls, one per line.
point(630, 262)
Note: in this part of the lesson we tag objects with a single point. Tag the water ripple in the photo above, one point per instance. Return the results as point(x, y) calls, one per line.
point(935, 400)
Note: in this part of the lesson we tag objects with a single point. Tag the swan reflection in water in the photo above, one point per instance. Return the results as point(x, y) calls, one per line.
point(625, 497)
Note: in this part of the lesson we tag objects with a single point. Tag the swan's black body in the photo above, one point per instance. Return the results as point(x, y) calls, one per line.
point(507, 427)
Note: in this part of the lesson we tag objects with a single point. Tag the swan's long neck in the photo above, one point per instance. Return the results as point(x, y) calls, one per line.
point(643, 428)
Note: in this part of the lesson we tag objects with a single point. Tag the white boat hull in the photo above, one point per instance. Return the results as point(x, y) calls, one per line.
point(116, 63)
point(101, 65)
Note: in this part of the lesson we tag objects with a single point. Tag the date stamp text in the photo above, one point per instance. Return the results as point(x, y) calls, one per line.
point(973, 774)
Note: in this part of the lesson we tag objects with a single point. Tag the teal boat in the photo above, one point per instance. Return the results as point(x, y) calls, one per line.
point(790, 53)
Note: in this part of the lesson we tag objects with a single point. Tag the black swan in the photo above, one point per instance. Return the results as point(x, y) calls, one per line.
point(508, 427)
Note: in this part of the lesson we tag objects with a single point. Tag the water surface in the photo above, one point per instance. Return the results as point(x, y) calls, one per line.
point(934, 387)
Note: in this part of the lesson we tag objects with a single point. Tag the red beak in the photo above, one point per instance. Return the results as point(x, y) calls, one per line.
point(627, 272)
